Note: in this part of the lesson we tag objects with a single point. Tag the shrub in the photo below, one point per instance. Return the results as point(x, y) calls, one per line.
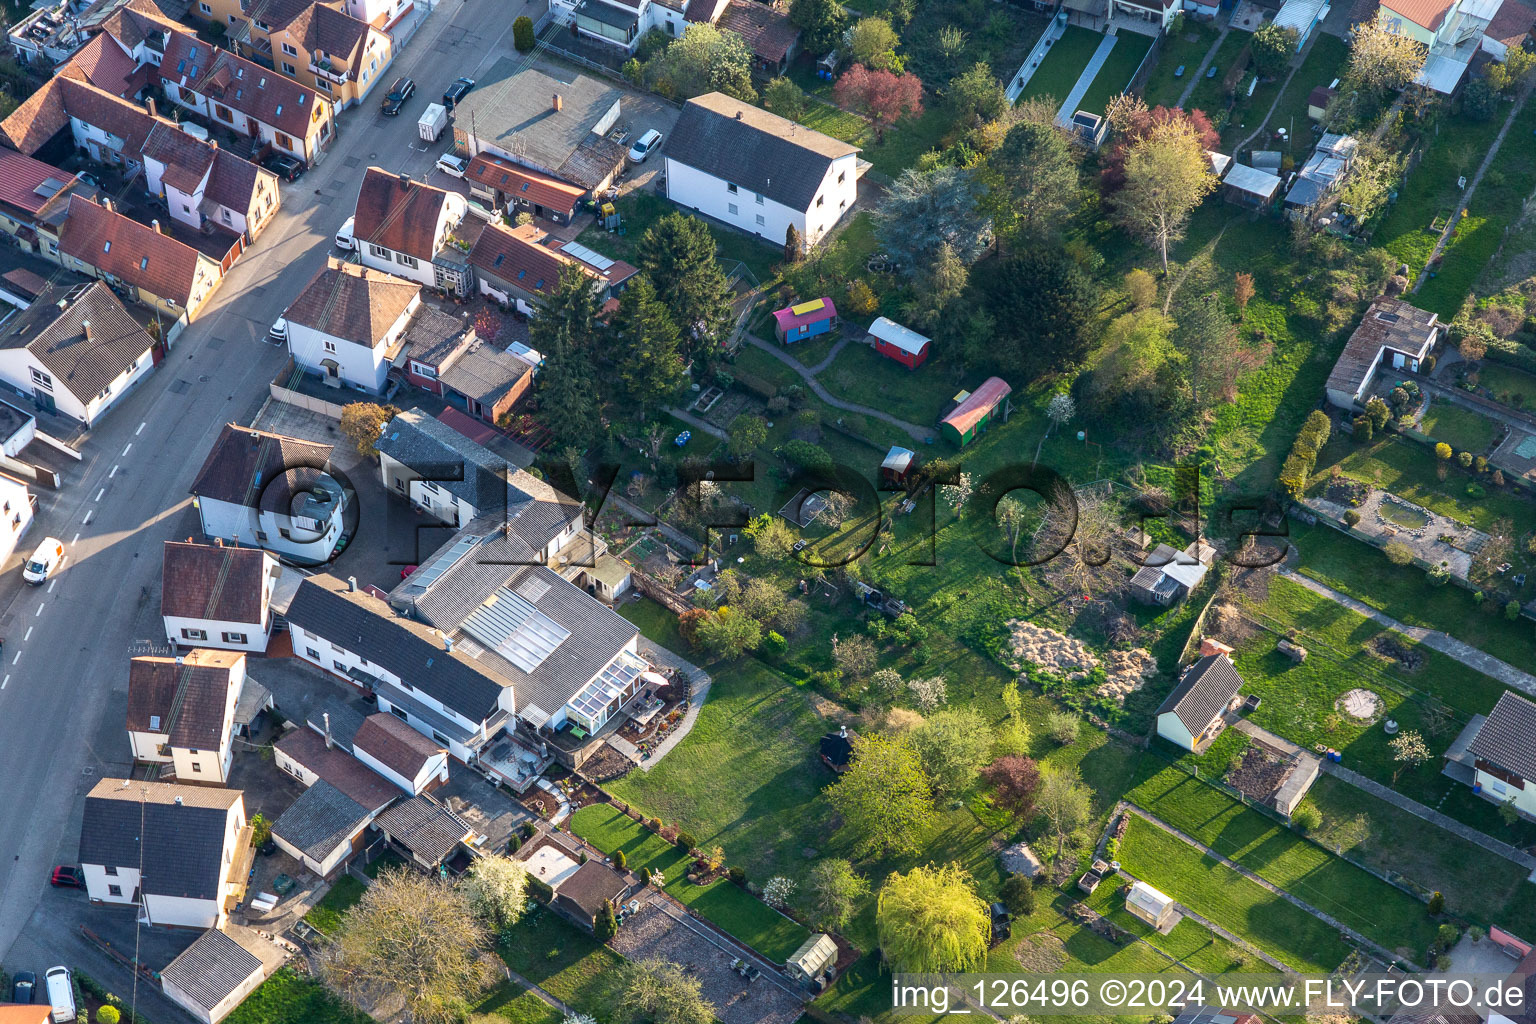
point(806, 456)
point(1475, 490)
point(620, 861)
point(1438, 575)
point(1061, 726)
point(522, 33)
point(737, 875)
point(645, 875)
point(1364, 429)
point(1442, 963)
point(1447, 934)
point(1464, 459)
point(1437, 903)
point(774, 645)
point(1351, 518)
point(1307, 818)
point(1512, 610)
point(1398, 553)
point(108, 1015)
point(1476, 934)
point(1018, 895)
point(685, 841)
point(1443, 451)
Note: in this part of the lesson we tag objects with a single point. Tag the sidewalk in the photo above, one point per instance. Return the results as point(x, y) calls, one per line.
point(1084, 80)
point(1434, 639)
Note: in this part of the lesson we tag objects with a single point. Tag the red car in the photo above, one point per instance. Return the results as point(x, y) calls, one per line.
point(67, 876)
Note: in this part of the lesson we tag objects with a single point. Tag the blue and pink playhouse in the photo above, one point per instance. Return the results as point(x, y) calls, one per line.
point(804, 320)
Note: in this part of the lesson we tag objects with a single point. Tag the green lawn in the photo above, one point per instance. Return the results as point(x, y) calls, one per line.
point(1215, 891)
point(1477, 884)
point(1115, 75)
point(1190, 943)
point(510, 1003)
point(907, 140)
point(567, 963)
point(342, 896)
point(1208, 93)
point(1280, 856)
point(835, 121)
point(1461, 428)
point(1324, 63)
point(1063, 64)
point(863, 375)
point(639, 210)
point(1162, 89)
point(289, 997)
point(723, 902)
point(1510, 385)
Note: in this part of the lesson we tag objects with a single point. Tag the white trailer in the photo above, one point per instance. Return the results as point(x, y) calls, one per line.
point(433, 120)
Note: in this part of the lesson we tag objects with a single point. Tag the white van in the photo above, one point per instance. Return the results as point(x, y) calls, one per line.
point(61, 994)
point(44, 560)
point(344, 238)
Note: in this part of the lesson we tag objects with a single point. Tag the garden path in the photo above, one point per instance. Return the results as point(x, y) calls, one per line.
point(1084, 80)
point(1377, 950)
point(916, 432)
point(1205, 62)
point(1446, 644)
point(701, 683)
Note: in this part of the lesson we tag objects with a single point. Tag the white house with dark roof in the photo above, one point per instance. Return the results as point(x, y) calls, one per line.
point(214, 975)
point(400, 224)
point(349, 322)
point(180, 853)
point(76, 351)
point(217, 595)
point(1393, 336)
point(759, 172)
point(1503, 753)
point(273, 490)
point(1192, 716)
point(181, 712)
point(401, 754)
point(325, 825)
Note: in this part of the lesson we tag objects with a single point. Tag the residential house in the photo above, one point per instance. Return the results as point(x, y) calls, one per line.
point(217, 595)
point(52, 34)
point(325, 825)
point(247, 98)
point(1168, 576)
point(512, 264)
point(1393, 335)
point(974, 411)
point(1510, 27)
point(534, 120)
point(272, 490)
point(759, 172)
point(504, 187)
point(214, 975)
point(30, 191)
point(433, 339)
point(26, 1013)
point(76, 350)
point(768, 33)
point(1452, 30)
point(1193, 714)
point(1504, 754)
point(622, 23)
point(400, 224)
point(204, 184)
point(349, 322)
point(182, 854)
point(322, 45)
point(578, 885)
point(1322, 174)
point(181, 712)
point(400, 754)
point(18, 507)
point(426, 832)
point(164, 274)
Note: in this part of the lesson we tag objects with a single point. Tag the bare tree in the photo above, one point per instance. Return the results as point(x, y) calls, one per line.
point(1079, 525)
point(411, 943)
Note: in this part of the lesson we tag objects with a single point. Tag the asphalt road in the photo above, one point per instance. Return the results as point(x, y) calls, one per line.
point(63, 676)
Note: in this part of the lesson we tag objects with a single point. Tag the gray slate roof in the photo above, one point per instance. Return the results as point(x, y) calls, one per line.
point(433, 334)
point(513, 109)
point(321, 819)
point(484, 373)
point(1508, 737)
point(57, 338)
point(360, 622)
point(211, 968)
point(756, 150)
point(344, 721)
point(425, 827)
point(466, 470)
point(1151, 574)
point(181, 845)
point(1204, 691)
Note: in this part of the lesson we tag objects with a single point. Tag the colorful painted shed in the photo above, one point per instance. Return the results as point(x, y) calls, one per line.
point(974, 410)
point(898, 463)
point(900, 343)
point(804, 320)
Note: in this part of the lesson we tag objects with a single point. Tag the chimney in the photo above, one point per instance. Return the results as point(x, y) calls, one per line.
point(150, 103)
point(329, 745)
point(181, 660)
point(155, 223)
point(178, 801)
point(405, 180)
point(85, 328)
point(106, 204)
point(559, 103)
point(738, 115)
point(352, 584)
point(842, 731)
point(448, 643)
point(218, 542)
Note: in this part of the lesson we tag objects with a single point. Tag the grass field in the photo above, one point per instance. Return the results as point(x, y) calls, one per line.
point(1062, 65)
point(1324, 63)
point(1215, 891)
point(723, 902)
point(342, 896)
point(1115, 75)
point(1431, 189)
point(1462, 429)
point(1190, 943)
point(862, 375)
point(1162, 89)
point(1507, 382)
point(289, 996)
point(1280, 856)
point(1207, 94)
point(639, 210)
point(567, 963)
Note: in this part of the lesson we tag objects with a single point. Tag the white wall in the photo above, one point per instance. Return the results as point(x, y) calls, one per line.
point(1525, 799)
point(16, 365)
point(15, 515)
point(392, 262)
point(1170, 728)
point(357, 365)
point(323, 867)
point(224, 1007)
point(146, 746)
point(227, 521)
point(693, 188)
point(435, 768)
point(257, 634)
point(97, 880)
point(181, 912)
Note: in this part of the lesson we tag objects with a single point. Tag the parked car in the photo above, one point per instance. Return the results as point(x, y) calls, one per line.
point(457, 91)
point(453, 166)
point(644, 146)
point(1178, 72)
point(345, 238)
point(399, 92)
point(1212, 72)
point(284, 166)
point(37, 570)
point(277, 334)
point(22, 987)
point(67, 876)
point(87, 178)
point(61, 994)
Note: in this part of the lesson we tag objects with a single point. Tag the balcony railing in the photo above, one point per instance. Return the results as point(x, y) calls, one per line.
point(325, 69)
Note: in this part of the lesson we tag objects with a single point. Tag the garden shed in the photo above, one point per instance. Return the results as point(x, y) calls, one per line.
point(974, 410)
point(815, 955)
point(898, 463)
point(902, 344)
point(1250, 187)
point(804, 320)
point(1151, 906)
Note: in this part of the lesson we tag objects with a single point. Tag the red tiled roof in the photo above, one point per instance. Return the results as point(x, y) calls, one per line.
point(514, 255)
point(353, 302)
point(70, 94)
point(523, 183)
point(981, 401)
point(767, 32)
point(135, 22)
point(1512, 24)
point(239, 84)
point(329, 31)
point(107, 67)
point(1426, 13)
point(23, 181)
point(40, 116)
point(186, 159)
point(399, 215)
point(364, 785)
point(128, 250)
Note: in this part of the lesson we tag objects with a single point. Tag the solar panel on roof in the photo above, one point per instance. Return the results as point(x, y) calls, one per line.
point(49, 188)
point(516, 629)
point(587, 256)
point(428, 574)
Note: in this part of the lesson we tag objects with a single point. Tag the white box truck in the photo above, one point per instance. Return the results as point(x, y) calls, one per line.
point(432, 122)
point(61, 994)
